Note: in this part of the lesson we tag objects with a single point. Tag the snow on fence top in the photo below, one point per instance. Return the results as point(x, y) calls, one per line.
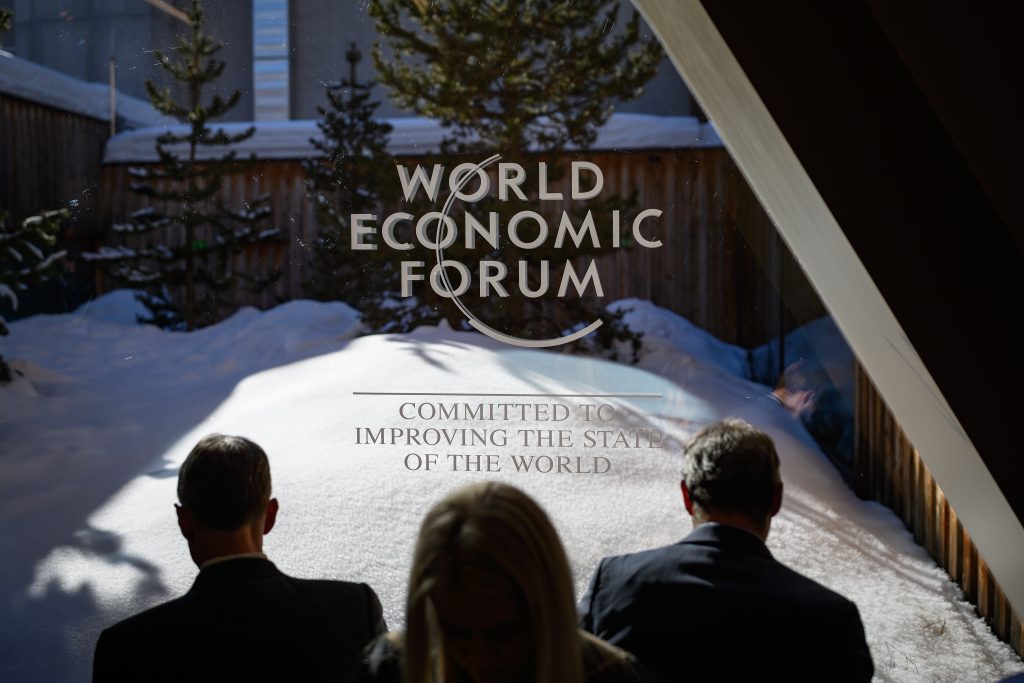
point(29, 81)
point(411, 136)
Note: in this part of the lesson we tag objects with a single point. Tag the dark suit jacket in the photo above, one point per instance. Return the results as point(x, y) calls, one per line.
point(718, 606)
point(243, 620)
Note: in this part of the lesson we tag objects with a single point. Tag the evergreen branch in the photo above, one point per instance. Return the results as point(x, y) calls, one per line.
point(188, 275)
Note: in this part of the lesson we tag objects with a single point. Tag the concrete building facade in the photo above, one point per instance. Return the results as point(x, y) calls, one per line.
point(305, 38)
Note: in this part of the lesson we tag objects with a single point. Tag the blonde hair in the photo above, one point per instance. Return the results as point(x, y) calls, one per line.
point(476, 539)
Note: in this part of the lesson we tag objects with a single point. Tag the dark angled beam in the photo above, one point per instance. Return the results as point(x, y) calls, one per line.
point(905, 197)
point(889, 221)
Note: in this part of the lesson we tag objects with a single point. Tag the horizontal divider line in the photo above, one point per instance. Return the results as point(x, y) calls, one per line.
point(445, 393)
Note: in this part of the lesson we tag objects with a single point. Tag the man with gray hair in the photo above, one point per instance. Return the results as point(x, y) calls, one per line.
point(243, 619)
point(717, 605)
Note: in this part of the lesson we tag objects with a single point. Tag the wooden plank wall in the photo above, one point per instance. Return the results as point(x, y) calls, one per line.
point(890, 470)
point(48, 158)
point(291, 212)
point(722, 265)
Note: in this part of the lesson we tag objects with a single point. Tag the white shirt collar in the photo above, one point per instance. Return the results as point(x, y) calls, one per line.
point(228, 558)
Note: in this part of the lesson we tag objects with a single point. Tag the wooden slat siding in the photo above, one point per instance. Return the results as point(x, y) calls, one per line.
point(647, 263)
point(256, 261)
point(286, 189)
point(707, 289)
point(881, 449)
point(49, 157)
point(739, 229)
point(971, 575)
point(941, 535)
point(953, 545)
point(717, 239)
point(910, 467)
point(930, 514)
point(674, 192)
point(1017, 634)
point(984, 589)
point(1001, 615)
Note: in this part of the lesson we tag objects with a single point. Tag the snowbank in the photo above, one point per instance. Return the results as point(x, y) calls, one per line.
point(663, 328)
point(119, 307)
point(412, 136)
point(88, 471)
point(30, 81)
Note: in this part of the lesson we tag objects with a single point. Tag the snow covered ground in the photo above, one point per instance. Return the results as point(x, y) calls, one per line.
point(89, 454)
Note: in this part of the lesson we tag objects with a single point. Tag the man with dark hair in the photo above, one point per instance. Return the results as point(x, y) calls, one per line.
point(807, 392)
point(242, 620)
point(717, 605)
point(799, 386)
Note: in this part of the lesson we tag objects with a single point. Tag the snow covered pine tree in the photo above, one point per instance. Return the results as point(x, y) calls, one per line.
point(189, 282)
point(24, 262)
point(352, 176)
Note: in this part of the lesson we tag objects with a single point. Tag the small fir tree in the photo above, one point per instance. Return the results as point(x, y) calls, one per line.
point(24, 262)
point(190, 281)
point(533, 76)
point(352, 175)
point(6, 17)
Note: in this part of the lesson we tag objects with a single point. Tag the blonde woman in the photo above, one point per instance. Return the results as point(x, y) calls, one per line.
point(491, 601)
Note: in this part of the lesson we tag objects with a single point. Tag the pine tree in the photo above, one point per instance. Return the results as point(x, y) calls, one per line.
point(518, 77)
point(6, 17)
point(24, 261)
point(189, 283)
point(352, 176)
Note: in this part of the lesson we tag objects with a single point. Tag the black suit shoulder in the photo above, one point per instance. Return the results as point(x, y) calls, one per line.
point(720, 591)
point(252, 622)
point(354, 598)
point(336, 601)
point(155, 619)
point(751, 570)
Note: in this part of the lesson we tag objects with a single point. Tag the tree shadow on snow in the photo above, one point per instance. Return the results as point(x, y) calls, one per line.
point(50, 629)
point(63, 459)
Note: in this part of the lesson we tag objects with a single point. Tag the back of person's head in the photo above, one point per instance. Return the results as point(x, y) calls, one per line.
point(732, 468)
point(491, 544)
point(225, 482)
point(804, 375)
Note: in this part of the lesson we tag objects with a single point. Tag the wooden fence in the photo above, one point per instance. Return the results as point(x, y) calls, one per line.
point(722, 265)
point(890, 470)
point(50, 159)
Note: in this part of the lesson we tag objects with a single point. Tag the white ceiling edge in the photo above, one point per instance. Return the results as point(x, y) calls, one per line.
point(805, 223)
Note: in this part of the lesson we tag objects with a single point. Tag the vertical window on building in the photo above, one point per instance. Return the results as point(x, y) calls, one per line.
point(270, 68)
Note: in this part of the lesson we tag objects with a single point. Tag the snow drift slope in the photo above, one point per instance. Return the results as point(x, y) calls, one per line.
point(88, 473)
